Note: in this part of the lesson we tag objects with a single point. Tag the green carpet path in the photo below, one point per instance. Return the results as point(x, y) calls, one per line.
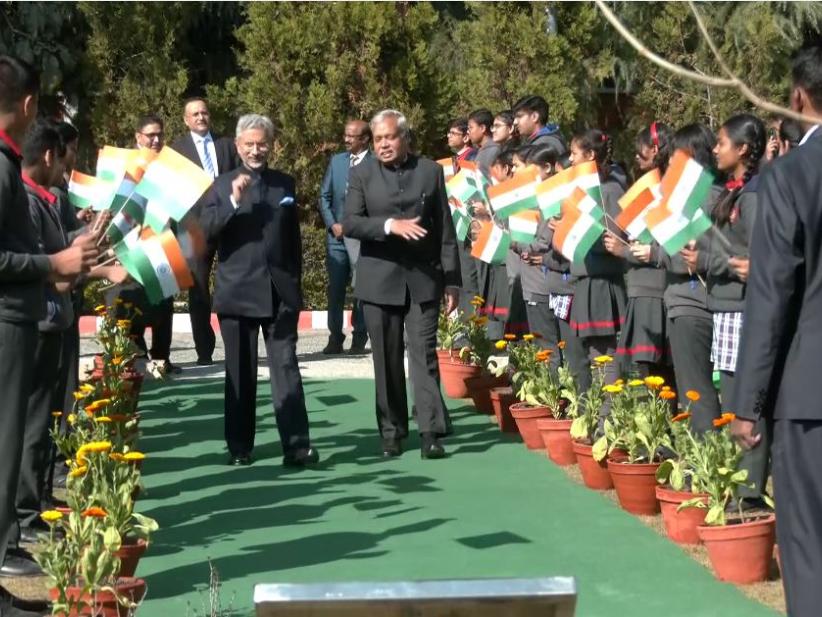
point(493, 509)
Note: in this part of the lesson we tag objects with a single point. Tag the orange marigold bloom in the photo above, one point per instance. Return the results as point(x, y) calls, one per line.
point(681, 416)
point(726, 418)
point(667, 395)
point(510, 337)
point(561, 344)
point(692, 395)
point(95, 512)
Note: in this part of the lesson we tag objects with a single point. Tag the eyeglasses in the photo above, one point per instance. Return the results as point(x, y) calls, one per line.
point(455, 134)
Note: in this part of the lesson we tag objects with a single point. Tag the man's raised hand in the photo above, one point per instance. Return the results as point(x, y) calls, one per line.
point(408, 229)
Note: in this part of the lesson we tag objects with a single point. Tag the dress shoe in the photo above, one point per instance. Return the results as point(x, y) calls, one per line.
point(30, 535)
point(302, 457)
point(358, 345)
point(391, 448)
point(334, 347)
point(240, 460)
point(19, 563)
point(205, 361)
point(171, 369)
point(431, 447)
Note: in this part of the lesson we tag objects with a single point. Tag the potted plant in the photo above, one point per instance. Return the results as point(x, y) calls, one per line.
point(584, 427)
point(740, 545)
point(477, 352)
point(534, 389)
point(451, 329)
point(502, 397)
point(637, 425)
point(556, 429)
point(680, 481)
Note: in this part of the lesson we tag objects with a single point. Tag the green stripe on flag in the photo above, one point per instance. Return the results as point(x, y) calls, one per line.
point(586, 241)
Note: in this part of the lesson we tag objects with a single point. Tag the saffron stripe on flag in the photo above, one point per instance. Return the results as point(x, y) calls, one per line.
point(523, 226)
point(685, 185)
point(492, 243)
point(516, 194)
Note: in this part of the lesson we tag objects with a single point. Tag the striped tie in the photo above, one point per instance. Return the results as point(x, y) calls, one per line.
point(208, 165)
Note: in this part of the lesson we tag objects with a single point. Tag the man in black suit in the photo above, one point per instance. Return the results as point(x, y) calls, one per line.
point(781, 337)
point(216, 155)
point(251, 214)
point(396, 206)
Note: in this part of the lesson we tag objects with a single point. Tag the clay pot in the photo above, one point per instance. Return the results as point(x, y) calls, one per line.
point(635, 484)
point(105, 603)
point(454, 372)
point(556, 435)
point(526, 416)
point(501, 401)
point(479, 389)
point(680, 525)
point(129, 554)
point(740, 553)
point(594, 473)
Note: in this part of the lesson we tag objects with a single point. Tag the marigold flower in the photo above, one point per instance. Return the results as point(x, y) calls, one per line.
point(667, 395)
point(71, 419)
point(482, 320)
point(79, 396)
point(51, 516)
point(100, 308)
point(612, 388)
point(635, 383)
point(681, 416)
point(125, 324)
point(501, 345)
point(561, 344)
point(117, 360)
point(56, 414)
point(619, 382)
point(653, 382)
point(510, 337)
point(542, 356)
point(603, 359)
point(86, 388)
point(478, 301)
point(726, 418)
point(133, 457)
point(664, 388)
point(528, 337)
point(692, 395)
point(102, 420)
point(78, 471)
point(95, 512)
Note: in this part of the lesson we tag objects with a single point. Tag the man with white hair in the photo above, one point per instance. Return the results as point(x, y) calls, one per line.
point(396, 206)
point(251, 215)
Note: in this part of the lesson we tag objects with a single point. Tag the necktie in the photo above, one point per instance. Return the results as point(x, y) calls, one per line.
point(208, 165)
point(352, 161)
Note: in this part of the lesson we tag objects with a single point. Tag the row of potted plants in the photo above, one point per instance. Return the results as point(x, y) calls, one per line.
point(95, 541)
point(649, 455)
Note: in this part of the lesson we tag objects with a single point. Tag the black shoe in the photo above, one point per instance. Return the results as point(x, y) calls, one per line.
point(19, 563)
point(171, 369)
point(334, 347)
point(431, 447)
point(391, 448)
point(240, 460)
point(30, 535)
point(358, 345)
point(302, 457)
point(205, 361)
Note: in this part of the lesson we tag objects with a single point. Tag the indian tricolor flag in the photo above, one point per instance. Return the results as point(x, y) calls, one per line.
point(685, 185)
point(156, 261)
point(85, 190)
point(462, 188)
point(523, 226)
point(447, 167)
point(127, 200)
point(174, 183)
point(577, 230)
point(462, 223)
point(673, 230)
point(632, 217)
point(516, 194)
point(121, 224)
point(552, 192)
point(492, 243)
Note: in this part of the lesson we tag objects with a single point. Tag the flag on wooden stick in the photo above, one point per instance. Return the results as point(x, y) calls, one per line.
point(578, 229)
point(492, 243)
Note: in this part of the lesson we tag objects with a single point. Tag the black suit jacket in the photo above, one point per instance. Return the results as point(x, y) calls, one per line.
point(388, 264)
point(778, 366)
point(258, 244)
point(227, 159)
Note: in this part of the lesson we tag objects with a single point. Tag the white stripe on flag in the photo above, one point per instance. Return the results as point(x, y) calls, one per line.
point(685, 186)
point(165, 275)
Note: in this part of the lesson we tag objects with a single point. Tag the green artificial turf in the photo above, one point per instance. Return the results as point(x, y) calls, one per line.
point(492, 509)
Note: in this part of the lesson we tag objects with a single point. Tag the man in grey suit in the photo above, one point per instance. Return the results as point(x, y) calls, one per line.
point(396, 206)
point(341, 257)
point(779, 351)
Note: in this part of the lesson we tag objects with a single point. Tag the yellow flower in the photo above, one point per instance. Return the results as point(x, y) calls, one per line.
point(56, 414)
point(619, 382)
point(132, 457)
point(510, 337)
point(98, 446)
point(78, 471)
point(666, 388)
point(692, 395)
point(667, 395)
point(117, 360)
point(72, 418)
point(100, 308)
point(478, 301)
point(612, 388)
point(116, 456)
point(561, 344)
point(501, 345)
point(51, 516)
point(87, 388)
point(102, 419)
point(603, 359)
point(635, 383)
point(124, 323)
point(481, 321)
point(79, 396)
point(653, 382)
point(528, 337)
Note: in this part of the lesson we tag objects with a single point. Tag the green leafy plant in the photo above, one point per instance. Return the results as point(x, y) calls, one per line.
point(588, 404)
point(450, 328)
point(478, 348)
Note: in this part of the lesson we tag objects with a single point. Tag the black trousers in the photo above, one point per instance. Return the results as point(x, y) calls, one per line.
point(240, 336)
point(199, 305)
point(159, 316)
point(575, 355)
point(798, 492)
point(690, 339)
point(470, 278)
point(17, 346)
point(47, 394)
point(542, 322)
point(386, 325)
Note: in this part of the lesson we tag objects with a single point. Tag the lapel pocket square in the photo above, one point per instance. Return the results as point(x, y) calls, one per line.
point(288, 200)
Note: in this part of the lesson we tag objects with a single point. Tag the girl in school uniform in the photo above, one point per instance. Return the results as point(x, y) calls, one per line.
point(723, 250)
point(598, 308)
point(642, 346)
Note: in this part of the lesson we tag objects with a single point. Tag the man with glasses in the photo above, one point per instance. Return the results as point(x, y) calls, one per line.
point(459, 142)
point(341, 257)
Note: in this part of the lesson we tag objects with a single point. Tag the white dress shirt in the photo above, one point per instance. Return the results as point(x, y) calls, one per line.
point(810, 132)
point(212, 151)
point(356, 159)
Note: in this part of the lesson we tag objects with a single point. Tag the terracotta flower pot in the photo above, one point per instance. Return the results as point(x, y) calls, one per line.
point(501, 400)
point(680, 525)
point(635, 484)
point(105, 603)
point(594, 473)
point(556, 435)
point(479, 389)
point(454, 372)
point(740, 553)
point(129, 554)
point(526, 416)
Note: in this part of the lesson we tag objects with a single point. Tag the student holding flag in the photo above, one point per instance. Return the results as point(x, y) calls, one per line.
point(724, 249)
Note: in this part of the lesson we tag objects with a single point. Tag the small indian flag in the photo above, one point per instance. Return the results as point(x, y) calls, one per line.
point(85, 190)
point(462, 188)
point(447, 168)
point(559, 187)
point(156, 262)
point(156, 216)
point(673, 230)
point(577, 230)
point(492, 243)
point(174, 182)
point(127, 200)
point(586, 176)
point(462, 223)
point(121, 224)
point(516, 194)
point(523, 226)
point(632, 217)
point(685, 185)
